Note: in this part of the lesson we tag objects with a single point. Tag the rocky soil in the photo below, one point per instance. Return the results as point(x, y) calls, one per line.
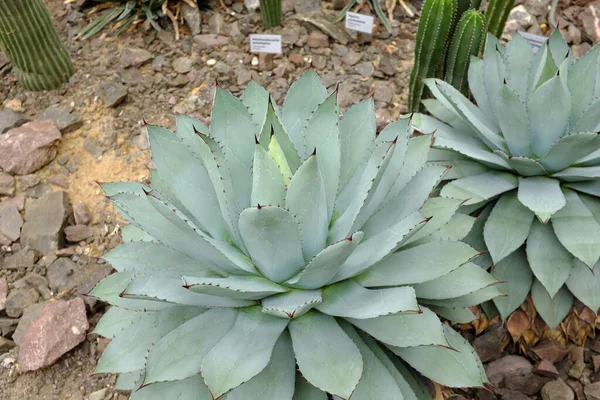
point(55, 146)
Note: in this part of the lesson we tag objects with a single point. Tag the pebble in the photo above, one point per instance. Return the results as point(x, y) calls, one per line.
point(7, 184)
point(211, 62)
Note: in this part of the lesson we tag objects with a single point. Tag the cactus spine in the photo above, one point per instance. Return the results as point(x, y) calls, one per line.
point(32, 45)
point(497, 14)
point(271, 12)
point(437, 19)
point(467, 41)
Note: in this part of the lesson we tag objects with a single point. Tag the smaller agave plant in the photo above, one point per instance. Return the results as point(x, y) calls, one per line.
point(289, 240)
point(528, 155)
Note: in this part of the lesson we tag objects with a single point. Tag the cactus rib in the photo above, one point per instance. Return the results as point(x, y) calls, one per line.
point(497, 14)
point(271, 12)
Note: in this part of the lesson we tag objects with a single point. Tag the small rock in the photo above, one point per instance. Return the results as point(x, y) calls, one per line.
point(510, 365)
point(77, 233)
point(19, 299)
point(64, 117)
point(252, 5)
point(222, 68)
point(352, 58)
point(26, 149)
point(7, 184)
point(528, 384)
point(44, 220)
point(130, 76)
point(135, 57)
point(577, 389)
point(8, 326)
point(99, 394)
point(24, 258)
point(317, 39)
point(386, 66)
point(211, 62)
point(488, 346)
point(10, 119)
point(366, 69)
point(296, 59)
point(58, 180)
point(557, 390)
point(60, 326)
point(158, 62)
point(192, 17)
point(539, 8)
point(28, 181)
point(507, 394)
point(215, 23)
point(590, 20)
point(519, 19)
point(114, 93)
point(243, 76)
point(383, 92)
point(382, 118)
point(546, 368)
point(183, 65)
point(573, 35)
point(307, 6)
point(551, 351)
point(207, 41)
point(141, 141)
point(3, 293)
point(596, 363)
point(10, 224)
point(592, 391)
point(577, 369)
point(265, 61)
point(319, 61)
point(64, 274)
point(6, 345)
point(17, 201)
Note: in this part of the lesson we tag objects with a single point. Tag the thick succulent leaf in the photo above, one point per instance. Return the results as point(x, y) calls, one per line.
point(416, 388)
point(462, 169)
point(515, 121)
point(377, 382)
point(569, 149)
point(349, 299)
point(323, 135)
point(291, 304)
point(186, 127)
point(524, 166)
point(160, 186)
point(131, 233)
point(109, 289)
point(286, 153)
point(326, 356)
point(418, 329)
point(480, 188)
point(243, 352)
point(590, 119)
point(326, 264)
point(232, 127)
point(276, 381)
point(445, 112)
point(456, 315)
point(303, 98)
point(468, 300)
point(113, 188)
point(457, 228)
point(115, 320)
point(517, 62)
point(475, 237)
point(440, 211)
point(179, 354)
point(464, 280)
point(237, 287)
point(191, 388)
point(575, 174)
point(151, 258)
point(583, 77)
point(543, 68)
point(186, 176)
point(127, 351)
point(306, 199)
point(272, 237)
point(477, 86)
point(585, 285)
point(577, 229)
point(552, 310)
point(516, 278)
point(418, 264)
point(507, 227)
point(589, 187)
point(558, 46)
point(541, 195)
point(549, 119)
point(457, 366)
point(357, 133)
point(267, 182)
point(128, 380)
point(494, 73)
point(256, 100)
point(305, 391)
point(548, 259)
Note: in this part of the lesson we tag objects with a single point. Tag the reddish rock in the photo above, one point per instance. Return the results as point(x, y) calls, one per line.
point(546, 368)
point(317, 39)
point(550, 350)
point(81, 214)
point(488, 346)
point(577, 389)
point(592, 391)
point(26, 149)
point(595, 361)
point(77, 233)
point(506, 366)
point(60, 326)
point(3, 293)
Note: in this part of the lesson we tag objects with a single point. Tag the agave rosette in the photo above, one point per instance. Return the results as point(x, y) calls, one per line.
point(285, 240)
point(529, 154)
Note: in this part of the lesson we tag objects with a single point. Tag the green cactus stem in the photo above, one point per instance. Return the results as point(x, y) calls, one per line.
point(497, 14)
point(271, 12)
point(32, 45)
point(467, 41)
point(464, 5)
point(435, 26)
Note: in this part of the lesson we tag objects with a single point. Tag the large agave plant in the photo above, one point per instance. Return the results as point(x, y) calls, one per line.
point(284, 240)
point(530, 148)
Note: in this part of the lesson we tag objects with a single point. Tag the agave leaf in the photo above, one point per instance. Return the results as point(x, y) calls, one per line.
point(418, 329)
point(569, 149)
point(514, 124)
point(477, 86)
point(305, 391)
point(588, 187)
point(575, 174)
point(306, 199)
point(464, 280)
point(480, 188)
point(583, 76)
point(435, 259)
point(303, 98)
point(256, 100)
point(456, 315)
point(276, 381)
point(577, 229)
point(441, 109)
point(187, 126)
point(549, 119)
point(440, 211)
point(585, 285)
point(543, 68)
point(109, 289)
point(517, 62)
point(550, 262)
point(267, 181)
point(159, 185)
point(326, 356)
point(377, 381)
point(590, 118)
point(151, 258)
point(191, 388)
point(323, 136)
point(468, 300)
point(593, 204)
point(179, 354)
point(494, 72)
point(457, 366)
point(558, 47)
point(326, 264)
point(476, 240)
point(272, 237)
point(115, 320)
point(462, 169)
point(236, 287)
point(132, 233)
point(357, 133)
point(243, 352)
point(280, 135)
point(552, 310)
point(292, 304)
point(507, 227)
point(523, 165)
point(127, 352)
point(349, 299)
point(128, 380)
point(457, 228)
point(516, 279)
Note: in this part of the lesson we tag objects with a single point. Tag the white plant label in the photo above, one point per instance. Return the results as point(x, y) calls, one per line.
point(265, 44)
point(359, 22)
point(534, 40)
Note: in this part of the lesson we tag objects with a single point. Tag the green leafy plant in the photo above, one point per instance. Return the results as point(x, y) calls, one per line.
point(289, 239)
point(28, 36)
point(376, 6)
point(528, 157)
point(271, 12)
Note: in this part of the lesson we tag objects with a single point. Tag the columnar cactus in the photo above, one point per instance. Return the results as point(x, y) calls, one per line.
point(497, 14)
point(271, 12)
point(31, 43)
